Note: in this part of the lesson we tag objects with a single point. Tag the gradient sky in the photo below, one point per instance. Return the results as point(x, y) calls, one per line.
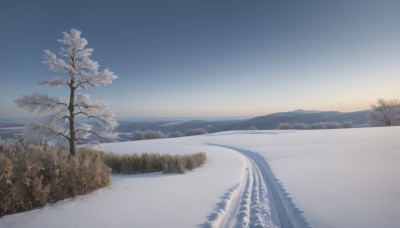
point(211, 58)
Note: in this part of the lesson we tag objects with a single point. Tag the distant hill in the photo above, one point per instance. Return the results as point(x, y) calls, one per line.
point(12, 128)
point(273, 120)
point(305, 111)
point(267, 122)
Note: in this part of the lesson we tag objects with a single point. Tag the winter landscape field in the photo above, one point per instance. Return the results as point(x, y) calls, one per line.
point(324, 178)
point(199, 114)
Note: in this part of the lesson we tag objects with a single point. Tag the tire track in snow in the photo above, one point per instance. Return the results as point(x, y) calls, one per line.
point(222, 209)
point(258, 201)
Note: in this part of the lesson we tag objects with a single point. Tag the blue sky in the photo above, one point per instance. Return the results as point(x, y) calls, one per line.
point(211, 58)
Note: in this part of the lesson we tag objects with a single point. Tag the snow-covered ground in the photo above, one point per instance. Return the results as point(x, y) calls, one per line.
point(339, 178)
point(321, 178)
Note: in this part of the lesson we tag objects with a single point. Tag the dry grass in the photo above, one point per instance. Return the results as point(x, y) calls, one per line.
point(153, 162)
point(32, 176)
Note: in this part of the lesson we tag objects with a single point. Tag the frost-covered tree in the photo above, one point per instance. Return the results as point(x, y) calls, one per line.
point(149, 134)
point(284, 126)
point(385, 112)
point(81, 72)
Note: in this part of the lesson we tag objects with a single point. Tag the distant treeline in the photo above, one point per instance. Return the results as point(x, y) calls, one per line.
point(315, 126)
point(143, 135)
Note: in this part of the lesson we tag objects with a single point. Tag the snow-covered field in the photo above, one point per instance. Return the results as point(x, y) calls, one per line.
point(321, 178)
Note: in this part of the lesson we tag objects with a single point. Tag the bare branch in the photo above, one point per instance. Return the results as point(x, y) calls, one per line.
point(84, 131)
point(56, 82)
point(46, 129)
point(97, 78)
point(82, 139)
point(41, 103)
point(84, 102)
point(55, 64)
point(64, 118)
point(107, 135)
point(86, 64)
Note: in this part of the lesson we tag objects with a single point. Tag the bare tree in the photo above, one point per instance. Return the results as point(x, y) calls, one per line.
point(81, 72)
point(385, 112)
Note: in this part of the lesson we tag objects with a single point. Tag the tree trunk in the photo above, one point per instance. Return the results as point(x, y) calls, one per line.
point(71, 108)
point(72, 148)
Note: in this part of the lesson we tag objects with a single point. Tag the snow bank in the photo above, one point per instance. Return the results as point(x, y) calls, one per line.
point(149, 200)
point(338, 178)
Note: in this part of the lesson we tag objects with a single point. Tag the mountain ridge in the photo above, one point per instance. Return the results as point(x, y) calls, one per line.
point(266, 122)
point(13, 129)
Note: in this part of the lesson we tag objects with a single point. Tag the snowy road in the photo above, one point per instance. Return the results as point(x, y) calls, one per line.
point(258, 201)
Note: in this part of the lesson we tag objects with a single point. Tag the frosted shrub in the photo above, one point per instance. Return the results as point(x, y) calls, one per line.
point(315, 126)
point(174, 134)
point(198, 131)
point(347, 124)
point(300, 126)
point(284, 126)
point(142, 135)
point(333, 125)
point(138, 135)
point(153, 135)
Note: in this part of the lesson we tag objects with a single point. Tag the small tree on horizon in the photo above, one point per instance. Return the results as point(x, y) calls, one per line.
point(81, 72)
point(385, 112)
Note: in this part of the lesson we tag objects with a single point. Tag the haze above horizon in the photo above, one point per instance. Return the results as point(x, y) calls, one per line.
point(206, 58)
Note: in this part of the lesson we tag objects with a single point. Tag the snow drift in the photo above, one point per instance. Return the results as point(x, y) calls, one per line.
point(322, 178)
